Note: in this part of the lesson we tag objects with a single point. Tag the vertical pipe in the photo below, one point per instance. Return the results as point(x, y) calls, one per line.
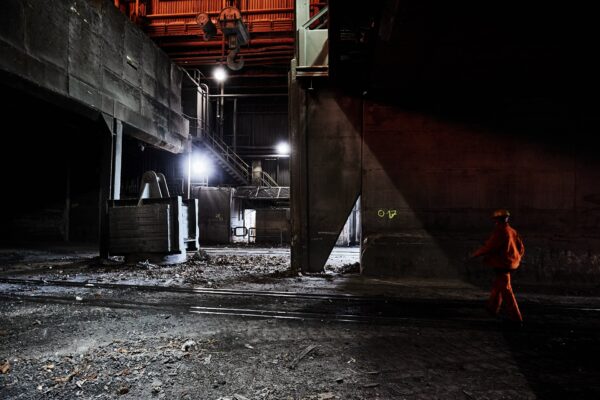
point(204, 119)
point(117, 157)
point(199, 110)
point(206, 114)
point(235, 125)
point(189, 172)
point(218, 116)
point(222, 116)
point(137, 9)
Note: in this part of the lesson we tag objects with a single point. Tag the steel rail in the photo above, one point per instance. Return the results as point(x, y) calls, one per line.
point(388, 300)
point(438, 321)
point(194, 309)
point(196, 290)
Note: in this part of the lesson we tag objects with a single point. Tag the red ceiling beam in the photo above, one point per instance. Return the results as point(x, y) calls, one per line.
point(193, 14)
point(192, 61)
point(218, 43)
point(192, 29)
point(245, 54)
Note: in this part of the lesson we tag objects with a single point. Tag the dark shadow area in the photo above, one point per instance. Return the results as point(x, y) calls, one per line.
point(425, 340)
point(140, 157)
point(558, 365)
point(470, 107)
point(50, 164)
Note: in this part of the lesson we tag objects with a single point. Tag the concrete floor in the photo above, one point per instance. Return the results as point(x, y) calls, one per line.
point(234, 324)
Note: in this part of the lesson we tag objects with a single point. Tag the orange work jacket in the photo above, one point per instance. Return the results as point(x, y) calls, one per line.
point(504, 248)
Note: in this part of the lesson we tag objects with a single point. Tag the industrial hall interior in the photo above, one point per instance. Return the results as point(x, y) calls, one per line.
point(299, 200)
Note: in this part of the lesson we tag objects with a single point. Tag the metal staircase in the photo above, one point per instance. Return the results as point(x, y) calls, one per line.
point(220, 151)
point(232, 163)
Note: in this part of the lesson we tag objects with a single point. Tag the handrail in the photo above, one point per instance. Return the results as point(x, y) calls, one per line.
point(230, 155)
point(203, 131)
point(269, 181)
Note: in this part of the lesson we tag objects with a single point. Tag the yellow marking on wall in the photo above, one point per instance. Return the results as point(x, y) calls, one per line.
point(382, 212)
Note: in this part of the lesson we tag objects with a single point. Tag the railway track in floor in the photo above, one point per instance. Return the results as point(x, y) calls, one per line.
point(325, 307)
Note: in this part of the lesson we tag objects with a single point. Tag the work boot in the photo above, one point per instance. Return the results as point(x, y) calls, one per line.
point(491, 311)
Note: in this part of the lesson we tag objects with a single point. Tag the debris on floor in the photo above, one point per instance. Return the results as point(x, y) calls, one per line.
point(124, 341)
point(4, 367)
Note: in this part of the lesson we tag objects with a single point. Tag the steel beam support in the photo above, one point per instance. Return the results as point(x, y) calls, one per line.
point(105, 191)
point(110, 173)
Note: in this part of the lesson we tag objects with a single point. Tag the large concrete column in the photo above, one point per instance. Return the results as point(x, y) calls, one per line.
point(298, 178)
point(326, 150)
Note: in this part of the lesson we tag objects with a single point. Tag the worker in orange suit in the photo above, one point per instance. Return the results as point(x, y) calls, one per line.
point(503, 252)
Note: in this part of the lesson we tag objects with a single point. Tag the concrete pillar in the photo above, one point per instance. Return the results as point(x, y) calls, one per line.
point(298, 178)
point(326, 129)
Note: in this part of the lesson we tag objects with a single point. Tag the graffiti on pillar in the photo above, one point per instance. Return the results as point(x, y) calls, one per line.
point(383, 212)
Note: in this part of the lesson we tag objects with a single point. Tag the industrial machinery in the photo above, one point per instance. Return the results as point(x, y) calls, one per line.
point(204, 21)
point(235, 33)
point(155, 226)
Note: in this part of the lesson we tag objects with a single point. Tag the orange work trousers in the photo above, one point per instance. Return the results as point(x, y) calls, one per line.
point(502, 292)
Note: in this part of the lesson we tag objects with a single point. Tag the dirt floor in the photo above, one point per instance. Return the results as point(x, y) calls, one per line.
point(234, 323)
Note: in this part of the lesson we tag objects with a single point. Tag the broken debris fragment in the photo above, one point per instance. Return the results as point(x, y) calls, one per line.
point(188, 345)
point(370, 385)
point(302, 355)
point(67, 378)
point(123, 389)
point(326, 396)
point(4, 367)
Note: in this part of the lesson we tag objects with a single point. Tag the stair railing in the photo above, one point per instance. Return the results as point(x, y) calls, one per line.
point(267, 180)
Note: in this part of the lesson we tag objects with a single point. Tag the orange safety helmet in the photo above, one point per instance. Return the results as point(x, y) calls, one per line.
point(500, 213)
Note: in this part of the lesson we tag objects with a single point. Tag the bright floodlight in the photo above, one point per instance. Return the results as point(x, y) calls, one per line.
point(220, 74)
point(202, 166)
point(283, 148)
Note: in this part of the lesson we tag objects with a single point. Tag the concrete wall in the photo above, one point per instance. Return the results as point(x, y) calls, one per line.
point(473, 107)
point(430, 183)
point(430, 177)
point(88, 56)
point(466, 107)
point(273, 226)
